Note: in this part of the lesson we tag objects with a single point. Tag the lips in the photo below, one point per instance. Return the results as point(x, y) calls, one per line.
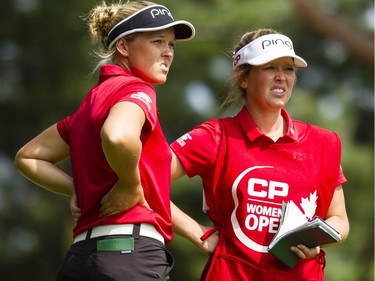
point(165, 66)
point(278, 90)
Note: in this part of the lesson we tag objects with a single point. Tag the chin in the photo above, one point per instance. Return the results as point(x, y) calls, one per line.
point(157, 81)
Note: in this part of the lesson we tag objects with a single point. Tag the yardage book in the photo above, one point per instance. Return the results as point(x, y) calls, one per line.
point(294, 229)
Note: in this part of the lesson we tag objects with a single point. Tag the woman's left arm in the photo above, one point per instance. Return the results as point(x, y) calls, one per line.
point(336, 214)
point(336, 217)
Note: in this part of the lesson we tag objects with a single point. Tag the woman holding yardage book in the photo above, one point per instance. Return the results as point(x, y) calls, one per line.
point(253, 162)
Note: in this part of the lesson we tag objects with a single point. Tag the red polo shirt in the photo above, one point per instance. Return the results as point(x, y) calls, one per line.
point(246, 176)
point(93, 177)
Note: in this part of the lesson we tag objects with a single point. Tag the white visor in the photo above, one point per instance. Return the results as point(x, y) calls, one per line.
point(265, 49)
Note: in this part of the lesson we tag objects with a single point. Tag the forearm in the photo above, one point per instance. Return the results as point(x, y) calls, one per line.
point(123, 156)
point(341, 224)
point(37, 160)
point(336, 215)
point(193, 231)
point(186, 226)
point(46, 175)
point(121, 141)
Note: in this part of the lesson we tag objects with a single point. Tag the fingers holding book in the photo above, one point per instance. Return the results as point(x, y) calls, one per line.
point(304, 252)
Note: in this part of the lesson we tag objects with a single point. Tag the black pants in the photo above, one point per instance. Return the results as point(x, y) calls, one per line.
point(149, 261)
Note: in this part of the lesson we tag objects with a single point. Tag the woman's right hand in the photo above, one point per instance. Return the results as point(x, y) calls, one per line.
point(304, 252)
point(209, 240)
point(74, 209)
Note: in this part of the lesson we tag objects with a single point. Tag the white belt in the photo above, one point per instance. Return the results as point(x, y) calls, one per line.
point(146, 230)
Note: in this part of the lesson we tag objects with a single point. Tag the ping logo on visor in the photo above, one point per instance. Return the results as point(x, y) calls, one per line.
point(160, 12)
point(151, 18)
point(275, 42)
point(265, 49)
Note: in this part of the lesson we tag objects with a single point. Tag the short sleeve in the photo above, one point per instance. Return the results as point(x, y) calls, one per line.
point(62, 128)
point(341, 179)
point(144, 96)
point(197, 150)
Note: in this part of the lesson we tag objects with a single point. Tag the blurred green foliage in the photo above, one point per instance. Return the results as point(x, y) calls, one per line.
point(45, 67)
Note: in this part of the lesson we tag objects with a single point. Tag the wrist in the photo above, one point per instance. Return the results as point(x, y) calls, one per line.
point(209, 232)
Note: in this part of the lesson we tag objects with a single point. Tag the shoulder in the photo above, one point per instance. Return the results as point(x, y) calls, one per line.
point(131, 84)
point(323, 132)
point(316, 132)
point(206, 134)
point(212, 129)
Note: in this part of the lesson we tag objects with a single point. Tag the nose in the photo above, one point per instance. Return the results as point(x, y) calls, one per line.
point(280, 75)
point(168, 51)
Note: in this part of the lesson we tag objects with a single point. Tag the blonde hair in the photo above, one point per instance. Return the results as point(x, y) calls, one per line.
point(237, 94)
point(102, 19)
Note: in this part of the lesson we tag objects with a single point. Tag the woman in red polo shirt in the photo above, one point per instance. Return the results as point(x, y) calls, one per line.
point(251, 163)
point(117, 150)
